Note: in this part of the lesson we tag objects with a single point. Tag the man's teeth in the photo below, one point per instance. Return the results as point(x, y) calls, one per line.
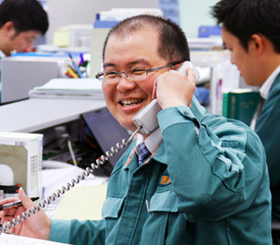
point(130, 102)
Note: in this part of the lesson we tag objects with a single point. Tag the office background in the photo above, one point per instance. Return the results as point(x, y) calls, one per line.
point(59, 119)
point(66, 12)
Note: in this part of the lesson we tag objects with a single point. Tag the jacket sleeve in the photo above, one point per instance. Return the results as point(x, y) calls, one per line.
point(78, 232)
point(216, 166)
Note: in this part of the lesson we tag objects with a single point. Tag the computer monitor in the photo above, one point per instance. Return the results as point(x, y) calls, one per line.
point(31, 71)
point(106, 131)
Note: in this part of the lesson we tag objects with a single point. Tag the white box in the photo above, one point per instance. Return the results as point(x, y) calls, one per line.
point(118, 14)
point(22, 152)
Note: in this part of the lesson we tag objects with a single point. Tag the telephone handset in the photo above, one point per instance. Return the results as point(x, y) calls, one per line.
point(146, 118)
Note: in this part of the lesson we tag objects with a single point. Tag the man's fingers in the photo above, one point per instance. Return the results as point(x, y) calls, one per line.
point(26, 201)
point(191, 75)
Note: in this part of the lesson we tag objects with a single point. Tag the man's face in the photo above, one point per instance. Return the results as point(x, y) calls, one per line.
point(126, 97)
point(22, 42)
point(247, 62)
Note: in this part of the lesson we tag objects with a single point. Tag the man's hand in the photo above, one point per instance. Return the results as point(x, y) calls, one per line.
point(173, 88)
point(36, 226)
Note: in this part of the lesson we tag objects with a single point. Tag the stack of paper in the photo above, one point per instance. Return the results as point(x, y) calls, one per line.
point(80, 88)
point(206, 43)
point(8, 239)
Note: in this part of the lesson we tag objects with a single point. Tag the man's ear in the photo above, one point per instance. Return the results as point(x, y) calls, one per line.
point(9, 28)
point(257, 41)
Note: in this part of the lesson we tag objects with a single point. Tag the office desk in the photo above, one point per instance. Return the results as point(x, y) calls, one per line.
point(36, 114)
point(82, 202)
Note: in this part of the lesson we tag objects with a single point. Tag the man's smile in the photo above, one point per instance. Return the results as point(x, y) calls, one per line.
point(130, 102)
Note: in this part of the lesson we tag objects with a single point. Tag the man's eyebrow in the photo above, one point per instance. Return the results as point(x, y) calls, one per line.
point(140, 61)
point(136, 62)
point(108, 65)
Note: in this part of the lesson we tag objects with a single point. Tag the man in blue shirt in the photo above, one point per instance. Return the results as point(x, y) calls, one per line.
point(21, 22)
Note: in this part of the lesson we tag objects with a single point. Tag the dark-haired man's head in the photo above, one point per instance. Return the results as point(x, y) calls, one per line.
point(21, 22)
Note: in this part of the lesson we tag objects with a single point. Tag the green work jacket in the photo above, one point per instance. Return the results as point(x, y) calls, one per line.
point(207, 183)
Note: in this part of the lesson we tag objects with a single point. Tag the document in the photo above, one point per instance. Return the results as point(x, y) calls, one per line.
point(87, 88)
point(8, 239)
point(82, 203)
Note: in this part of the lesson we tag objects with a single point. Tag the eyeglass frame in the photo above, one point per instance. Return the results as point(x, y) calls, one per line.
point(99, 74)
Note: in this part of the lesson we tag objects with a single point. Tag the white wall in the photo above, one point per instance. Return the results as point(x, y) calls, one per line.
point(66, 12)
point(194, 14)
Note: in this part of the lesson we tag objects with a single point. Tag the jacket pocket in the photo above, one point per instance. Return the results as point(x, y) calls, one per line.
point(111, 211)
point(164, 202)
point(161, 226)
point(112, 207)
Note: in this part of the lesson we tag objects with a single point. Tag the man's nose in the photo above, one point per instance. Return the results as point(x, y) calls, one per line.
point(125, 83)
point(28, 47)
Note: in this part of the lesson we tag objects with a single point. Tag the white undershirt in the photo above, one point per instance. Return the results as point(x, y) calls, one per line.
point(152, 142)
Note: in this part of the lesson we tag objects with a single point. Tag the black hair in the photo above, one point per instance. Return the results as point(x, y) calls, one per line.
point(244, 18)
point(173, 45)
point(26, 15)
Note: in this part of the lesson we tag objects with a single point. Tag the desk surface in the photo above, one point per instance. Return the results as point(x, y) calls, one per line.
point(36, 114)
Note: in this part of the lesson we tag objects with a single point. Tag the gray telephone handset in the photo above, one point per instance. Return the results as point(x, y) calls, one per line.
point(146, 118)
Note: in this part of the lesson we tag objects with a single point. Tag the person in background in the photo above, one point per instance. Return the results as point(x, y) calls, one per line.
point(251, 31)
point(21, 22)
point(203, 178)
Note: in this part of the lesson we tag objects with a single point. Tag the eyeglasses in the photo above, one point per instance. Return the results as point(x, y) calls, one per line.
point(134, 73)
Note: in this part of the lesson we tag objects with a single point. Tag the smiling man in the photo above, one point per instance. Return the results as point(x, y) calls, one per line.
point(123, 96)
point(251, 31)
point(203, 178)
point(21, 22)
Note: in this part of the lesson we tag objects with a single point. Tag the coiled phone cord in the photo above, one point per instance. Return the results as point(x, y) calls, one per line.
point(69, 185)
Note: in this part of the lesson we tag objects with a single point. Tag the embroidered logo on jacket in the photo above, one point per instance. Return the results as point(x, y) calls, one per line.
point(165, 180)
